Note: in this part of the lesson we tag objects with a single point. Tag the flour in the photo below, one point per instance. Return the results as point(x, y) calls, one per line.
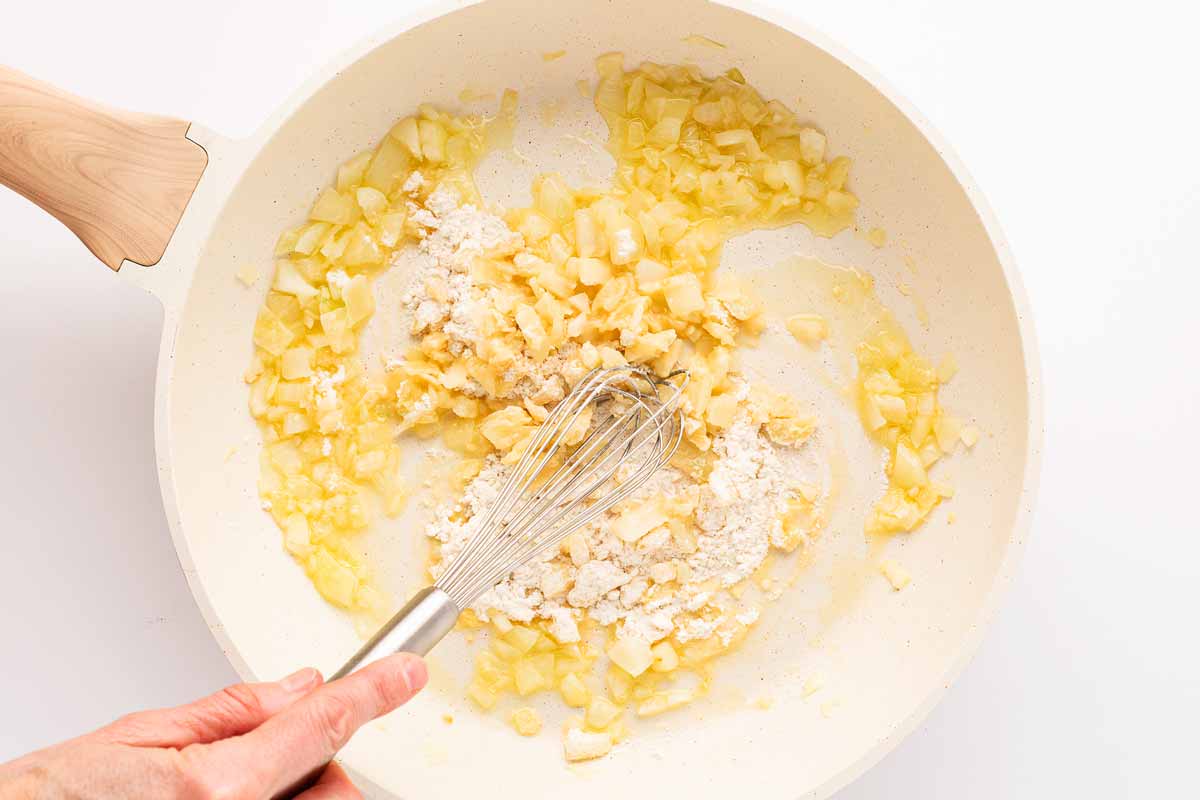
point(329, 412)
point(740, 507)
point(413, 183)
point(442, 295)
point(632, 584)
point(543, 382)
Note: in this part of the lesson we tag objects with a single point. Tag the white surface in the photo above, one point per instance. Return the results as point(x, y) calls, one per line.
point(1083, 142)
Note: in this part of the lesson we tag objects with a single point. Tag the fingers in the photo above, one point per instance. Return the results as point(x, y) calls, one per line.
point(291, 745)
point(230, 712)
point(334, 784)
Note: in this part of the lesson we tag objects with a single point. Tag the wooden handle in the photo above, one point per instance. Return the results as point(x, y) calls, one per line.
point(119, 180)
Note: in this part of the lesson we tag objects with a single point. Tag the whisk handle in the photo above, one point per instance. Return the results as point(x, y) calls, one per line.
point(416, 628)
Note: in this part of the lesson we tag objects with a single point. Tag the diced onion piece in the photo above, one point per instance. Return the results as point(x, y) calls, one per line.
point(334, 579)
point(872, 418)
point(650, 345)
point(619, 684)
point(592, 271)
point(310, 236)
point(807, 328)
point(296, 535)
point(659, 702)
point(625, 243)
point(896, 575)
point(580, 745)
point(631, 655)
point(373, 203)
point(335, 246)
point(574, 692)
point(527, 677)
point(649, 275)
point(271, 334)
point(526, 721)
point(662, 572)
point(892, 408)
point(247, 274)
point(296, 363)
point(553, 197)
point(947, 430)
point(683, 294)
point(361, 248)
point(634, 523)
point(433, 140)
point(741, 137)
point(921, 426)
point(812, 146)
point(522, 638)
point(360, 302)
point(484, 697)
point(839, 202)
point(350, 174)
point(294, 422)
point(388, 167)
point(969, 435)
point(588, 242)
point(289, 281)
point(610, 65)
point(406, 132)
point(334, 322)
point(505, 427)
point(907, 470)
point(721, 410)
point(601, 712)
point(391, 227)
point(534, 331)
point(336, 207)
point(665, 657)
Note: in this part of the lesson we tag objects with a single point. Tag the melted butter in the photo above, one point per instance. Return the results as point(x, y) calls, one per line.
point(500, 130)
point(703, 41)
point(843, 296)
point(442, 676)
point(921, 310)
point(475, 94)
point(848, 579)
point(846, 299)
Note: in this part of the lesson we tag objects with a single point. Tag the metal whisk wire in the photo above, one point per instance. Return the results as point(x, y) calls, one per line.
point(640, 434)
point(630, 428)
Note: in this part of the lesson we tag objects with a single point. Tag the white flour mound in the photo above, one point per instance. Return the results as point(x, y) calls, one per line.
point(737, 515)
point(740, 506)
point(454, 234)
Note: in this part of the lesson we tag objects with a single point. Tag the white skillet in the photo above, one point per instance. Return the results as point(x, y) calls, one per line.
point(123, 181)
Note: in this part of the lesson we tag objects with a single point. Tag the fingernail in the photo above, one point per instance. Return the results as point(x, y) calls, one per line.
point(416, 674)
point(300, 679)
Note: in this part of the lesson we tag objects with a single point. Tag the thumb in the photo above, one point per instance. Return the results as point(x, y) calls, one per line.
point(230, 712)
point(288, 747)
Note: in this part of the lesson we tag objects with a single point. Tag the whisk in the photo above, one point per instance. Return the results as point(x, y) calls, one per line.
point(632, 429)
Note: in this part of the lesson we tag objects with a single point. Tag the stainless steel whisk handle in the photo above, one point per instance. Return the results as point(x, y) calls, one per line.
point(416, 628)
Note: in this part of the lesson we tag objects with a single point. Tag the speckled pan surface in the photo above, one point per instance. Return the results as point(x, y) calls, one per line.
point(886, 657)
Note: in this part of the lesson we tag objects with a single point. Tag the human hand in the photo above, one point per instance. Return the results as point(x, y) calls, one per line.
point(247, 741)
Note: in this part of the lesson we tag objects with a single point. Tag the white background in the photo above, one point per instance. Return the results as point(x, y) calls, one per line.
point(1079, 123)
